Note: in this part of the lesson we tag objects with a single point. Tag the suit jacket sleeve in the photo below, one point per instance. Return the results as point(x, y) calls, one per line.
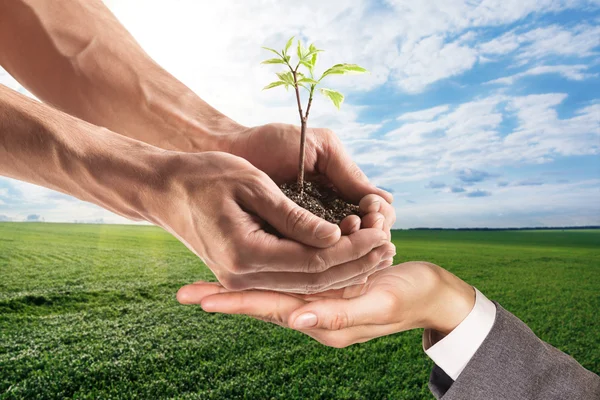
point(514, 364)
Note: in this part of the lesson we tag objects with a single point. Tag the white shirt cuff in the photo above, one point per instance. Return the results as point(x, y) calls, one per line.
point(453, 352)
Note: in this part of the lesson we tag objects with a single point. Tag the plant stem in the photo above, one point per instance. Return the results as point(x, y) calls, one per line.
point(310, 97)
point(303, 119)
point(301, 163)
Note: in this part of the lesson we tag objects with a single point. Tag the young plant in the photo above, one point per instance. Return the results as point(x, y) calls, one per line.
point(306, 58)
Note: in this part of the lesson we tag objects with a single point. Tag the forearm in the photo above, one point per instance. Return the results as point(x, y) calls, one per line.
point(76, 56)
point(46, 147)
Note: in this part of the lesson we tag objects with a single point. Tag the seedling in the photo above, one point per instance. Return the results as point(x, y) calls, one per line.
point(306, 58)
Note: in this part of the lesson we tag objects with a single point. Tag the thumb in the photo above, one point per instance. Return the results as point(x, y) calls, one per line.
point(336, 314)
point(291, 220)
point(345, 175)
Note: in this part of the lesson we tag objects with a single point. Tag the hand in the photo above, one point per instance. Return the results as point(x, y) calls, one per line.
point(217, 205)
point(407, 296)
point(274, 149)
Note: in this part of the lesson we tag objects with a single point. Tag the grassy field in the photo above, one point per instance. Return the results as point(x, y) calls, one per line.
point(88, 311)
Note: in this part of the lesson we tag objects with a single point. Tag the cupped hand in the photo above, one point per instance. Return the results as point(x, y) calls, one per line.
point(407, 296)
point(218, 205)
point(274, 149)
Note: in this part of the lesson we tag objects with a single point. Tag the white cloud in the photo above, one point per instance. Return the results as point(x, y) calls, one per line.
point(545, 135)
point(578, 41)
point(470, 136)
point(572, 72)
point(430, 60)
point(424, 115)
point(572, 204)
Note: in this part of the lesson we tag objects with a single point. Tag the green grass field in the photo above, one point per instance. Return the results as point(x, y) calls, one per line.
point(88, 311)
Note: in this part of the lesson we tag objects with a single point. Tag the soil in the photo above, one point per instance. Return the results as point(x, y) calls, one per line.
point(321, 200)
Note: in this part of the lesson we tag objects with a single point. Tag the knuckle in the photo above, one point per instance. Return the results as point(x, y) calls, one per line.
point(311, 288)
point(256, 182)
point(356, 172)
point(357, 244)
point(270, 317)
point(316, 263)
point(297, 219)
point(339, 320)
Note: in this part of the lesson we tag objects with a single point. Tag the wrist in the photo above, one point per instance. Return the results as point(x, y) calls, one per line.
point(453, 300)
point(122, 175)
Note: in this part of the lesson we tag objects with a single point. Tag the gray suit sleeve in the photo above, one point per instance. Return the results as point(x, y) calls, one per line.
point(514, 364)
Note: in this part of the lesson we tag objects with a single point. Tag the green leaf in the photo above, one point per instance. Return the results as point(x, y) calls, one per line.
point(273, 50)
point(286, 77)
point(342, 69)
point(288, 45)
point(306, 64)
point(274, 84)
point(300, 50)
point(314, 51)
point(336, 97)
point(354, 68)
point(308, 80)
point(273, 61)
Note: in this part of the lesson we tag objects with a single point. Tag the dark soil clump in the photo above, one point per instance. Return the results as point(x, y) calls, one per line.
point(322, 201)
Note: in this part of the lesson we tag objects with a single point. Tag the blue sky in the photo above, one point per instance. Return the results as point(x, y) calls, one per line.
point(475, 113)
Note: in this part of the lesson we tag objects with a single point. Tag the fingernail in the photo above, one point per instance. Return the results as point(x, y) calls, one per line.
point(326, 230)
point(388, 254)
point(305, 320)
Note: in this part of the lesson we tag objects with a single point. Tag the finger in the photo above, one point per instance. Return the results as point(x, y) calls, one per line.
point(350, 224)
point(335, 314)
point(195, 292)
point(263, 252)
point(291, 220)
point(373, 220)
point(344, 174)
point(363, 278)
point(272, 306)
point(297, 282)
point(373, 203)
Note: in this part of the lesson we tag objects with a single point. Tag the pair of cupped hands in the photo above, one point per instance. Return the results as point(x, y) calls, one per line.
point(333, 283)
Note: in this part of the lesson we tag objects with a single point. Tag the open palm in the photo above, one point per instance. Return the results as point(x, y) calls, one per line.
point(392, 300)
